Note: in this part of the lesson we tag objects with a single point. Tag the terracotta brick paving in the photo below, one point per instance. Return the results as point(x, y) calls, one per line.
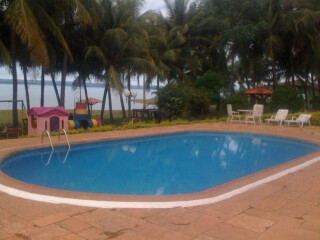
point(288, 208)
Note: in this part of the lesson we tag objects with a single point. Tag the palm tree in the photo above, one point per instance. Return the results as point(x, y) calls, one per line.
point(28, 21)
point(119, 46)
point(73, 12)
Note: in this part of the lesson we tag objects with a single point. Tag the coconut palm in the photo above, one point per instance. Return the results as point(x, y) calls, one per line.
point(120, 45)
point(72, 13)
point(28, 21)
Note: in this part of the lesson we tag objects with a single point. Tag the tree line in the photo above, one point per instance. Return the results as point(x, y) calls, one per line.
point(248, 41)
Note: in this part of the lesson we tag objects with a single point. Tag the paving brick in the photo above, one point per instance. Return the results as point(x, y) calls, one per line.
point(71, 236)
point(73, 225)
point(93, 234)
point(251, 223)
point(50, 219)
point(229, 232)
point(287, 208)
point(4, 214)
point(48, 232)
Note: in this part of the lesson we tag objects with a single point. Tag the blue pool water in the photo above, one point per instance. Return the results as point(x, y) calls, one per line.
point(159, 165)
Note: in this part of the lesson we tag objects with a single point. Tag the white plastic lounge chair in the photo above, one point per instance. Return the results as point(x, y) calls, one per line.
point(232, 114)
point(301, 120)
point(256, 113)
point(281, 115)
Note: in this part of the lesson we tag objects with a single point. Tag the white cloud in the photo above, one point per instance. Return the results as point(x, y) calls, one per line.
point(153, 5)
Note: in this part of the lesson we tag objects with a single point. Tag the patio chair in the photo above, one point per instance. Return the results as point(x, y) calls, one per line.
point(281, 115)
point(232, 114)
point(301, 120)
point(256, 113)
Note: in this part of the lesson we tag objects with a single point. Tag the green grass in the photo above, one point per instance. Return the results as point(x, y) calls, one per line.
point(6, 117)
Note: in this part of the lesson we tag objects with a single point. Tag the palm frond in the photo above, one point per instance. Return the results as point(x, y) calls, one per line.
point(4, 53)
point(22, 20)
point(95, 51)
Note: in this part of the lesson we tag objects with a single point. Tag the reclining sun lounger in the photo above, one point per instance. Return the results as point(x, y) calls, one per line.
point(301, 120)
point(281, 115)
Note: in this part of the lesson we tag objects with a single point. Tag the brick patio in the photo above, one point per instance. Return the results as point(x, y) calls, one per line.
point(288, 208)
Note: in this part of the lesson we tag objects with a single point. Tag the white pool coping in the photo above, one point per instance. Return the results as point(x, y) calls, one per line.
point(169, 204)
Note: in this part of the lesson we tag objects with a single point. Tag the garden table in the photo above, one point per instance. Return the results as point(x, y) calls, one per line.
point(245, 112)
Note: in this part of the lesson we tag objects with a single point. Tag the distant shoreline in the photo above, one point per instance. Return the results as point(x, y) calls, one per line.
point(37, 82)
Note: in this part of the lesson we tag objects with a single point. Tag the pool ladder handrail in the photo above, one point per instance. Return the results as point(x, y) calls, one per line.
point(67, 139)
point(45, 131)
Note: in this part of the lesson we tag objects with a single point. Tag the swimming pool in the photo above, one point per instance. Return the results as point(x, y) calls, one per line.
point(170, 164)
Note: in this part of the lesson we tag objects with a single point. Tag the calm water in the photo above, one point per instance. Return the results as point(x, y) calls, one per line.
point(71, 96)
point(160, 165)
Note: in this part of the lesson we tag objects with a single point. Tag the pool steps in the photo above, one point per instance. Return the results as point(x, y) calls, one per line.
point(49, 136)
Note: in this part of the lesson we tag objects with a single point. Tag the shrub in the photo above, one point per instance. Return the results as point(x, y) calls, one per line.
point(238, 101)
point(287, 98)
point(213, 82)
point(176, 101)
point(171, 101)
point(315, 103)
point(315, 119)
point(198, 102)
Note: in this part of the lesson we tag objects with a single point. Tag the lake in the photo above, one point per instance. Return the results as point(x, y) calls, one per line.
point(72, 96)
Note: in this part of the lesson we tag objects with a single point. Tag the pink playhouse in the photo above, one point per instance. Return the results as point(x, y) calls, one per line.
point(47, 118)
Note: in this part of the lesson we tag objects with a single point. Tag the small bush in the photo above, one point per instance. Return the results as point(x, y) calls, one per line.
point(213, 83)
point(287, 98)
point(171, 101)
point(198, 102)
point(315, 103)
point(238, 101)
point(315, 119)
point(176, 101)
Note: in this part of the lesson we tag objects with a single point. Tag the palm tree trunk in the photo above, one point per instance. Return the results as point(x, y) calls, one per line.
point(306, 91)
point(15, 121)
point(129, 98)
point(42, 87)
point(124, 115)
point(254, 73)
point(247, 82)
point(144, 92)
point(274, 77)
point(63, 79)
point(55, 87)
point(104, 101)
point(313, 86)
point(87, 97)
point(292, 72)
point(231, 87)
point(24, 69)
point(110, 103)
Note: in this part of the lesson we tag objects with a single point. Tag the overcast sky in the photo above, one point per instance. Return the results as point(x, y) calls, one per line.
point(153, 5)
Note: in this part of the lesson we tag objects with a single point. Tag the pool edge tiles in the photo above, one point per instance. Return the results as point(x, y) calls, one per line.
point(218, 193)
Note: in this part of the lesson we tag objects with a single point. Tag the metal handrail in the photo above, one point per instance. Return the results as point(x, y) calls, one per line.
point(49, 159)
point(45, 131)
point(65, 133)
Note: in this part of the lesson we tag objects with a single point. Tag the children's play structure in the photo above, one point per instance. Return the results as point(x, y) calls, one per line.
point(81, 118)
point(49, 119)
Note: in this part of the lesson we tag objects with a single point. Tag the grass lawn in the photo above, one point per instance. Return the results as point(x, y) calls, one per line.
point(6, 116)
